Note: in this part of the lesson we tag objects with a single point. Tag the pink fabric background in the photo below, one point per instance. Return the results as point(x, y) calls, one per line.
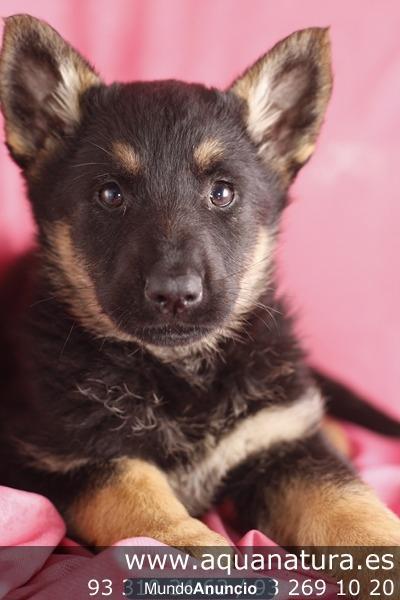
point(340, 247)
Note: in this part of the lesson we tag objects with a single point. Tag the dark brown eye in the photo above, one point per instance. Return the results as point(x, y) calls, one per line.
point(222, 194)
point(110, 195)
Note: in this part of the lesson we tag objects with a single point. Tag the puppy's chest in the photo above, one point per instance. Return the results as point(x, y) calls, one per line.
point(175, 415)
point(163, 417)
point(198, 436)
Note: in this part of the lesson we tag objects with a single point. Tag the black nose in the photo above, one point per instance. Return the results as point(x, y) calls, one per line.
point(174, 294)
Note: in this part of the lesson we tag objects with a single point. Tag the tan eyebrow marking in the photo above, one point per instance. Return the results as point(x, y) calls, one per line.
point(127, 156)
point(209, 150)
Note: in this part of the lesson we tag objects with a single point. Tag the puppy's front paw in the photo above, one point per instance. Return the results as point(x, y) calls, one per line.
point(195, 538)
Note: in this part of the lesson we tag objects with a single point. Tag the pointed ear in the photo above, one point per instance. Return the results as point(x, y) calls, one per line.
point(286, 93)
point(42, 79)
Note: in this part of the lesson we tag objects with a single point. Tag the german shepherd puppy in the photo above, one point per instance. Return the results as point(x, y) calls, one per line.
point(159, 372)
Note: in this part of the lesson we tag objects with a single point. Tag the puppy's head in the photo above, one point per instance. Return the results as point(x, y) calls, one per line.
point(157, 202)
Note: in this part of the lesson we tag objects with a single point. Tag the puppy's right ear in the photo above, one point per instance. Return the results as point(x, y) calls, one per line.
point(42, 79)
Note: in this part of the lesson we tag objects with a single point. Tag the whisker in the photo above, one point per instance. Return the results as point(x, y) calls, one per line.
point(87, 164)
point(101, 148)
point(102, 175)
point(244, 269)
point(67, 340)
point(41, 301)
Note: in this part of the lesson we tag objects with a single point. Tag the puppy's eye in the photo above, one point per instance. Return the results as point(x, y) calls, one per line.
point(110, 195)
point(222, 194)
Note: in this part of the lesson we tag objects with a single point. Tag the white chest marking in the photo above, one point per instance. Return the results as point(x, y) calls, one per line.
point(197, 484)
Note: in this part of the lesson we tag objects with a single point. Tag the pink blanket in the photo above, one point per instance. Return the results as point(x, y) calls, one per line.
point(31, 520)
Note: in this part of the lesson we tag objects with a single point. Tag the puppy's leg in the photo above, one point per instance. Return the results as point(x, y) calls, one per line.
point(310, 496)
point(137, 501)
point(306, 495)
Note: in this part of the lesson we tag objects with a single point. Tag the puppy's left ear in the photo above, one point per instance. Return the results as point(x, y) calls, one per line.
point(286, 94)
point(42, 79)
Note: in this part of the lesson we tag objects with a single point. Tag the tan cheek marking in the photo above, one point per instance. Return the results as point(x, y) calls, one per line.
point(208, 151)
point(333, 514)
point(137, 501)
point(126, 156)
point(73, 284)
point(255, 278)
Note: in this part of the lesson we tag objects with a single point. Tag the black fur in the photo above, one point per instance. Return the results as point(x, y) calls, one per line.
point(102, 399)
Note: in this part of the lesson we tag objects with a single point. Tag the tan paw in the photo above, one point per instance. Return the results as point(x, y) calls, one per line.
point(195, 538)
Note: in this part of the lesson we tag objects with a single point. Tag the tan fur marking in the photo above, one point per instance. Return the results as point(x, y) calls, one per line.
point(138, 501)
point(332, 514)
point(207, 152)
point(73, 284)
point(329, 514)
point(126, 156)
point(255, 278)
